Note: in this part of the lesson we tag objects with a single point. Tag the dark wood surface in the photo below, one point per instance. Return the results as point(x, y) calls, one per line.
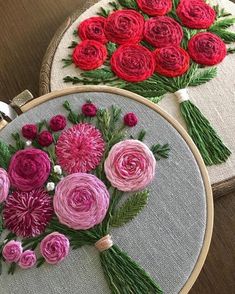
point(27, 27)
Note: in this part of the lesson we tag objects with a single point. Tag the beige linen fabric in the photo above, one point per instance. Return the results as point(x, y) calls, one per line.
point(166, 238)
point(215, 99)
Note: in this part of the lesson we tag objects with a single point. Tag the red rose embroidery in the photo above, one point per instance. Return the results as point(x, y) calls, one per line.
point(207, 49)
point(89, 54)
point(155, 7)
point(162, 31)
point(171, 61)
point(196, 14)
point(93, 29)
point(124, 26)
point(133, 63)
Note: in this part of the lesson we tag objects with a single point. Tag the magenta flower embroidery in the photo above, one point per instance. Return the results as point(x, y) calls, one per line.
point(27, 259)
point(80, 148)
point(58, 123)
point(54, 247)
point(12, 251)
point(4, 185)
point(29, 169)
point(27, 213)
point(81, 201)
point(130, 166)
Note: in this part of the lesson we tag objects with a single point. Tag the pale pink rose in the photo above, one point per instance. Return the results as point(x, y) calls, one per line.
point(4, 185)
point(27, 260)
point(81, 201)
point(54, 247)
point(12, 251)
point(130, 166)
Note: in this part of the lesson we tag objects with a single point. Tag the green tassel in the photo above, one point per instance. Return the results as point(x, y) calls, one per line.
point(210, 145)
point(124, 275)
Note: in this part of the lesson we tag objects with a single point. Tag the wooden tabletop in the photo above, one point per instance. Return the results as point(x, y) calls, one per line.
point(27, 27)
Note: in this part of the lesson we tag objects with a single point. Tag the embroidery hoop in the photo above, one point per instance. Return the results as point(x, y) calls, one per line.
point(209, 199)
point(221, 186)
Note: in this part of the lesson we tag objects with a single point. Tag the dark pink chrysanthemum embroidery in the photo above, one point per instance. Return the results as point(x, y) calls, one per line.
point(27, 213)
point(80, 148)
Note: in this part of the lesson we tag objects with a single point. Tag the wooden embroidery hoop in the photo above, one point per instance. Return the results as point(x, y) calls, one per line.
point(221, 188)
point(209, 198)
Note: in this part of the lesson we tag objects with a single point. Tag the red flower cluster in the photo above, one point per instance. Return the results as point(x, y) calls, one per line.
point(195, 14)
point(162, 31)
point(93, 29)
point(133, 63)
point(127, 28)
point(89, 55)
point(207, 49)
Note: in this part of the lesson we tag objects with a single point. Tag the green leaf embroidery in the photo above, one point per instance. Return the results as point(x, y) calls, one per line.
point(129, 4)
point(99, 74)
point(72, 116)
point(220, 12)
point(5, 155)
point(203, 77)
point(67, 61)
point(111, 47)
point(147, 89)
point(73, 44)
point(227, 36)
point(114, 5)
point(160, 151)
point(141, 135)
point(147, 45)
point(103, 12)
point(129, 209)
point(230, 50)
point(224, 23)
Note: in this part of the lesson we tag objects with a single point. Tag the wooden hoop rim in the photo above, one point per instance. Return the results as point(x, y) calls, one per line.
point(209, 198)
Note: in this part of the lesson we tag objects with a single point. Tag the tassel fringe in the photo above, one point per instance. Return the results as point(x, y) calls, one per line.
point(124, 275)
point(204, 136)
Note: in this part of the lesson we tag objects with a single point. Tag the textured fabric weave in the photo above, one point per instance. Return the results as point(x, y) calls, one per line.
point(165, 239)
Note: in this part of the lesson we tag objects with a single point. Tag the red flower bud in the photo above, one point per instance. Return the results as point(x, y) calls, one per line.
point(130, 119)
point(89, 109)
point(29, 131)
point(45, 138)
point(58, 123)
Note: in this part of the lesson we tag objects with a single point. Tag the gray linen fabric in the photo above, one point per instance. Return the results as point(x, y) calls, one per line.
point(166, 238)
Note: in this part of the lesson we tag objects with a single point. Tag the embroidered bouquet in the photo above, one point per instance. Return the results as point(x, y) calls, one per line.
point(153, 47)
point(63, 187)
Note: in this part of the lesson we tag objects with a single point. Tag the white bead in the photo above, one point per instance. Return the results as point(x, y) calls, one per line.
point(50, 186)
point(58, 169)
point(28, 143)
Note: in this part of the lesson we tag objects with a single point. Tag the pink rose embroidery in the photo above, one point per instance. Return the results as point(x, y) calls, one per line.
point(12, 251)
point(27, 259)
point(29, 169)
point(130, 165)
point(4, 185)
point(81, 201)
point(54, 247)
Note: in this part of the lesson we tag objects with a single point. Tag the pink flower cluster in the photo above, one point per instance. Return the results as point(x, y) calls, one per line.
point(45, 138)
point(29, 169)
point(130, 166)
point(54, 248)
point(4, 185)
point(81, 201)
point(13, 252)
point(80, 148)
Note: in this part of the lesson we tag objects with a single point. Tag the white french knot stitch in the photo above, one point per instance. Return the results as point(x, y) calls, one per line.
point(182, 95)
point(104, 243)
